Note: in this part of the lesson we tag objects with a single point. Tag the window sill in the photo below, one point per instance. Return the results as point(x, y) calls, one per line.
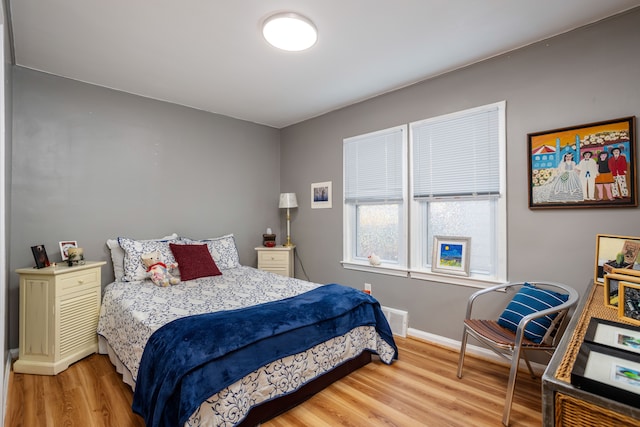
point(379, 269)
point(473, 282)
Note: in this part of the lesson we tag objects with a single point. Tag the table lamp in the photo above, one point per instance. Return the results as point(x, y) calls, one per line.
point(288, 200)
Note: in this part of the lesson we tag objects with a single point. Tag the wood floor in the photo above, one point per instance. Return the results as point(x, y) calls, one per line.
point(420, 389)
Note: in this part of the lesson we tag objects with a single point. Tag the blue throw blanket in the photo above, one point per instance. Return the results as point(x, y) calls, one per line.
point(192, 358)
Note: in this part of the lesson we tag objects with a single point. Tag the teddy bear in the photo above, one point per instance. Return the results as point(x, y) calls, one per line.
point(159, 271)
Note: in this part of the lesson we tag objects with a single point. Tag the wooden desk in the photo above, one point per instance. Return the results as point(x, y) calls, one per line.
point(562, 403)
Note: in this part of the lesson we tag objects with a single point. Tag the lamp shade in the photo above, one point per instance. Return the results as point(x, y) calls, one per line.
point(288, 200)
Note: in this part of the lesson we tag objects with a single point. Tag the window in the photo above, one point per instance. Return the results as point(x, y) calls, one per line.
point(449, 173)
point(375, 208)
point(457, 187)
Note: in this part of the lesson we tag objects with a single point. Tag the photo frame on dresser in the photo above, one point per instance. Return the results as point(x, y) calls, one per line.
point(65, 246)
point(40, 256)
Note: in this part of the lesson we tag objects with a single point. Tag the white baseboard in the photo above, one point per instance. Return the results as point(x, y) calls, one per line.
point(477, 351)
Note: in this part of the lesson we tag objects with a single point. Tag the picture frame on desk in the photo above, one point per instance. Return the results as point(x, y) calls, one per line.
point(613, 334)
point(612, 284)
point(608, 372)
point(629, 302)
point(608, 247)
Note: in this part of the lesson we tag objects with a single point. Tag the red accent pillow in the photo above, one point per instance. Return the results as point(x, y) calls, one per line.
point(194, 261)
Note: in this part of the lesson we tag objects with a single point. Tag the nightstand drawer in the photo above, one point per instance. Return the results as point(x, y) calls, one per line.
point(81, 280)
point(276, 260)
point(271, 258)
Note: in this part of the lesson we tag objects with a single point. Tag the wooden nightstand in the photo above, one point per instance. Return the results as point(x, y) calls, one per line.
point(59, 309)
point(278, 259)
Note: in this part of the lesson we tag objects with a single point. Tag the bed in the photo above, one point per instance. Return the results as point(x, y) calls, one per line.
point(234, 348)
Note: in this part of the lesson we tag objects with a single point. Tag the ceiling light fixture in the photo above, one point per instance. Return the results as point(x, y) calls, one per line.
point(289, 31)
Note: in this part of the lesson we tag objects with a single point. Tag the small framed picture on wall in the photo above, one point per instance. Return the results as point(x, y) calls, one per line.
point(321, 195)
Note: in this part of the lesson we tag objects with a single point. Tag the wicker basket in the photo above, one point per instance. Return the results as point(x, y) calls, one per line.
point(578, 413)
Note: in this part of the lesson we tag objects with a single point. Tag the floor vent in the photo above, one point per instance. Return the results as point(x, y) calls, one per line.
point(398, 320)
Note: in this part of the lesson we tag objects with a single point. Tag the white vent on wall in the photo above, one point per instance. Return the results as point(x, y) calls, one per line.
point(398, 320)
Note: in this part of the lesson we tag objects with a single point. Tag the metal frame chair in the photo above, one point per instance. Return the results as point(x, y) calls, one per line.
point(512, 345)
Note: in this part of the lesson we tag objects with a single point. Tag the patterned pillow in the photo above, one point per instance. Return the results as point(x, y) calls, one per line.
point(117, 254)
point(194, 261)
point(134, 269)
point(531, 299)
point(222, 249)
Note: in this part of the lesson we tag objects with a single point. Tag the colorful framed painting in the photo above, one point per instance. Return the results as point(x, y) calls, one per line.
point(585, 166)
point(451, 255)
point(616, 253)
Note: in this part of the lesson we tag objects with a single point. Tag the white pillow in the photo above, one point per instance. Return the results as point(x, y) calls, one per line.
point(134, 268)
point(117, 254)
point(223, 250)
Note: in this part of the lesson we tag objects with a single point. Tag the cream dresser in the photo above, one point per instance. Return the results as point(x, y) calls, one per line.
point(59, 309)
point(278, 259)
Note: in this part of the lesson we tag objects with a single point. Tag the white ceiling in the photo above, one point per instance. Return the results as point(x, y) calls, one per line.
point(209, 54)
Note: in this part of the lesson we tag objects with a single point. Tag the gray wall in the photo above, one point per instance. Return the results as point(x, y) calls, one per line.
point(91, 163)
point(584, 76)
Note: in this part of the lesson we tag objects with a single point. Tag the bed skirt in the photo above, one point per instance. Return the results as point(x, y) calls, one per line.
point(358, 345)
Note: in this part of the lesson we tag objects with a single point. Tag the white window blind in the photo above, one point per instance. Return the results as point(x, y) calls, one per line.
point(373, 169)
point(457, 154)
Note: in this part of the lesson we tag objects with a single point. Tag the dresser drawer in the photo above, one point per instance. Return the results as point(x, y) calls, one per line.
point(273, 258)
point(78, 281)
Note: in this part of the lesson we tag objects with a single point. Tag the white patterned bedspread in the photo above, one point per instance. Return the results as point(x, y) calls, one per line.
point(132, 311)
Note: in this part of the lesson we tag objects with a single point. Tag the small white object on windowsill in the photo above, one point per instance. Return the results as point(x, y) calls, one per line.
point(374, 259)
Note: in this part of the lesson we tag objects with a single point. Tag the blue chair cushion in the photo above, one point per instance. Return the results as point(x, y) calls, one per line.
point(531, 299)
